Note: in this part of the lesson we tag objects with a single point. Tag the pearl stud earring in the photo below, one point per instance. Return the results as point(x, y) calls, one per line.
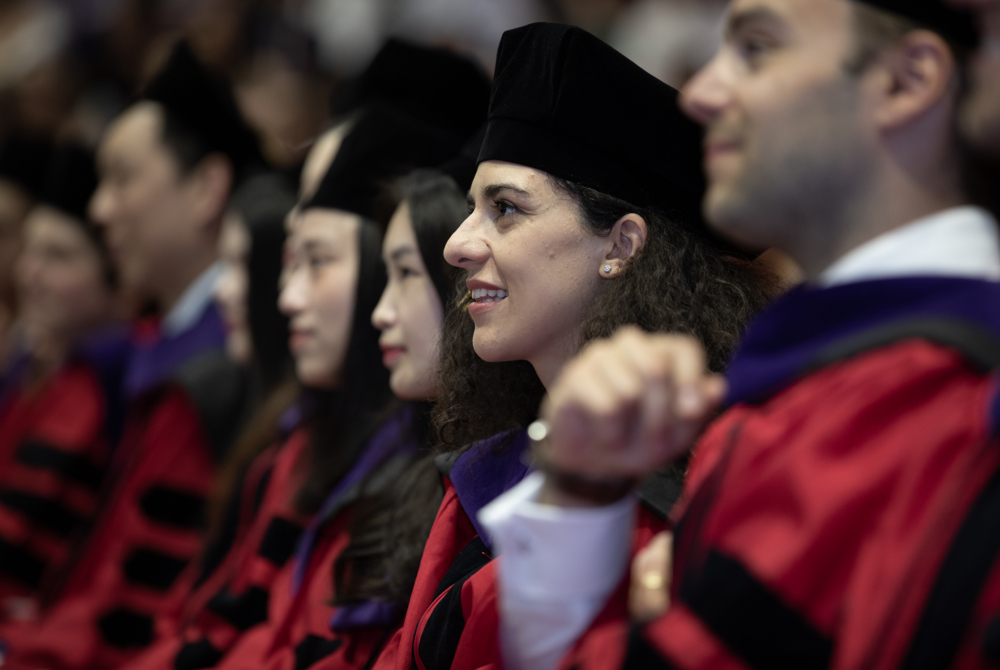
point(607, 268)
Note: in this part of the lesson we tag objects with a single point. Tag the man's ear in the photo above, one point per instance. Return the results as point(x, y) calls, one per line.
point(627, 238)
point(211, 183)
point(920, 77)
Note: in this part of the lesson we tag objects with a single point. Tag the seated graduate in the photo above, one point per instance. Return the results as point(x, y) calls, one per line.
point(584, 218)
point(250, 250)
point(23, 164)
point(841, 511)
point(61, 409)
point(167, 165)
point(348, 435)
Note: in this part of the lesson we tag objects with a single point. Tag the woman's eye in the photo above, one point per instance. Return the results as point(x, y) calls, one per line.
point(504, 208)
point(755, 48)
point(406, 273)
point(318, 262)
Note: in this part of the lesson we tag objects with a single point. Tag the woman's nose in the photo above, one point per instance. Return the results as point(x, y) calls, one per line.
point(465, 246)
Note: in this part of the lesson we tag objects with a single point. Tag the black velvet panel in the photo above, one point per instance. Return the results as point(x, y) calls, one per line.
point(41, 456)
point(174, 507)
point(753, 621)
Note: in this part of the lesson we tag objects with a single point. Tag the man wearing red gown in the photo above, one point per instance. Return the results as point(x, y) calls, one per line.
point(167, 167)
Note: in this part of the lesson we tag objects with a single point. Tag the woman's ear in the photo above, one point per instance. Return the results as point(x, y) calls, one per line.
point(627, 238)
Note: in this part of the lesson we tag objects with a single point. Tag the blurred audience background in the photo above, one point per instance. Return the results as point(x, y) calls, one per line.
point(68, 66)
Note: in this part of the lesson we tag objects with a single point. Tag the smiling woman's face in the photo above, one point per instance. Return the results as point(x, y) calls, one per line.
point(534, 269)
point(409, 313)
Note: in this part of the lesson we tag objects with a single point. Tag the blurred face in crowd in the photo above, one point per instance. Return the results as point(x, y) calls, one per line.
point(318, 293)
point(786, 133)
point(981, 110)
point(232, 291)
point(534, 269)
point(152, 211)
point(62, 286)
point(14, 207)
point(409, 313)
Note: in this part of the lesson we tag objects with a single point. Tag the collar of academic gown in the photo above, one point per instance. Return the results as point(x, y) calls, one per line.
point(944, 267)
point(479, 475)
point(393, 438)
point(192, 328)
point(106, 351)
point(487, 470)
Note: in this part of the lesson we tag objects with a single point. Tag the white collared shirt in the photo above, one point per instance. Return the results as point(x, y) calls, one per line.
point(560, 566)
point(193, 302)
point(958, 242)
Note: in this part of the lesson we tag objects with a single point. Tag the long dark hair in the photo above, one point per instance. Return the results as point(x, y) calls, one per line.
point(682, 281)
point(342, 420)
point(261, 204)
point(390, 526)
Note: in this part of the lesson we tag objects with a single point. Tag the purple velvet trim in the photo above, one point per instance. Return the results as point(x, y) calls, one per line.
point(13, 378)
point(480, 476)
point(295, 415)
point(782, 343)
point(152, 363)
point(362, 615)
point(108, 353)
point(392, 439)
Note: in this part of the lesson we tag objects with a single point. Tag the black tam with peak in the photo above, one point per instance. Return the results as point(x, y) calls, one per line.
point(433, 85)
point(566, 103)
point(70, 181)
point(384, 144)
point(952, 23)
point(203, 105)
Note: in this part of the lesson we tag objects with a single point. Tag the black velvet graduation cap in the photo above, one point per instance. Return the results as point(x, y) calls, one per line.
point(383, 144)
point(203, 105)
point(950, 22)
point(566, 103)
point(24, 162)
point(433, 85)
point(70, 181)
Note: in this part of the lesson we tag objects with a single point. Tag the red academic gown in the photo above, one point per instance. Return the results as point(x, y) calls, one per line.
point(823, 507)
point(303, 628)
point(452, 620)
point(55, 441)
point(210, 612)
point(183, 402)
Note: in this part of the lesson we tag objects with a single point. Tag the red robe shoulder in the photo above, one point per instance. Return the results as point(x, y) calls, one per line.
point(813, 525)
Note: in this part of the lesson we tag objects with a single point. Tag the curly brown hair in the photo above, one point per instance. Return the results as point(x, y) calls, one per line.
point(682, 281)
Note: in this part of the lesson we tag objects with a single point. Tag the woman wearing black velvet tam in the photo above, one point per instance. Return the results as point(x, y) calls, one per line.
point(584, 218)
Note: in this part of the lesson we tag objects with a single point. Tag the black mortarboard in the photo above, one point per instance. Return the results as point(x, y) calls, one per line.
point(952, 23)
point(24, 162)
point(70, 181)
point(384, 143)
point(462, 167)
point(203, 105)
point(566, 103)
point(433, 85)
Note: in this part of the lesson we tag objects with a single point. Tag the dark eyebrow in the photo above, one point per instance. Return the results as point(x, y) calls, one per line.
point(739, 20)
point(400, 252)
point(493, 190)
